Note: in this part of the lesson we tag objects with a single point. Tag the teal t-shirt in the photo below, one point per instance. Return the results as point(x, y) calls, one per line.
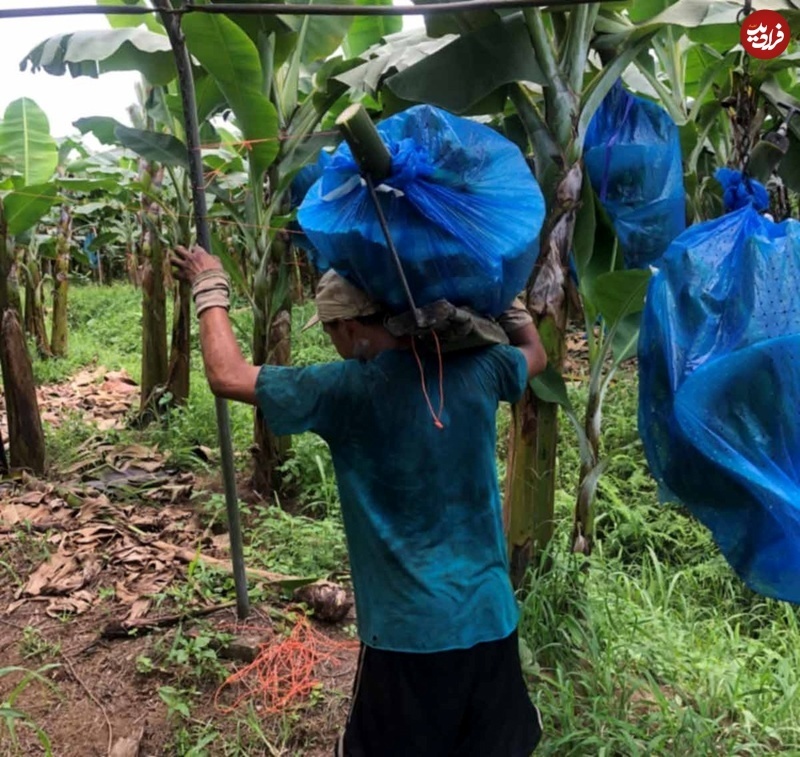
point(421, 506)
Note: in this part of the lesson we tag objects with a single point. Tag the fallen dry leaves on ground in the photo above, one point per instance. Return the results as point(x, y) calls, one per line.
point(101, 397)
point(86, 532)
point(136, 544)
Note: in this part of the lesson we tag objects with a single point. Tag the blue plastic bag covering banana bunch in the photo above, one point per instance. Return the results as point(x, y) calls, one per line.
point(719, 392)
point(632, 154)
point(462, 205)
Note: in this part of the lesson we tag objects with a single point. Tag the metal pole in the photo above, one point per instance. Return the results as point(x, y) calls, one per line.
point(186, 82)
point(419, 318)
point(291, 9)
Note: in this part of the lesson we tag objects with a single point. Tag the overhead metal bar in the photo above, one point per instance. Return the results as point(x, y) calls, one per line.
point(286, 9)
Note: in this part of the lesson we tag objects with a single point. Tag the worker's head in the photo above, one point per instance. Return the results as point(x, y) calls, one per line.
point(349, 317)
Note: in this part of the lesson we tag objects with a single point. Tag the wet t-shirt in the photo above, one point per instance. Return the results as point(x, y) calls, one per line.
point(421, 505)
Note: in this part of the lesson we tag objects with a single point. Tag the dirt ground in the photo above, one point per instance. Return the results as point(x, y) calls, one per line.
point(91, 548)
point(98, 687)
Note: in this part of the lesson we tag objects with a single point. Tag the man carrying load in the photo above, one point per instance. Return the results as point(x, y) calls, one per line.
point(439, 673)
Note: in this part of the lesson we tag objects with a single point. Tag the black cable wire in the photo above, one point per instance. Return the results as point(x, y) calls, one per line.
point(285, 9)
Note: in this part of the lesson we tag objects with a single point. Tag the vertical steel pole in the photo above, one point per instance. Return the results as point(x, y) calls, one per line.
point(183, 65)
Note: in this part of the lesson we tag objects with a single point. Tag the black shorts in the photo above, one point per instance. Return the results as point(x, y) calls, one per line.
point(460, 703)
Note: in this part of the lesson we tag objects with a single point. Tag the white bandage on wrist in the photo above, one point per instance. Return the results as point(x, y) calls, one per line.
point(515, 317)
point(211, 289)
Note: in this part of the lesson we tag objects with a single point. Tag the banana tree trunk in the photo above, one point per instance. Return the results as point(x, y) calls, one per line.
point(28, 316)
point(155, 364)
point(531, 487)
point(100, 266)
point(530, 490)
point(3, 459)
point(132, 264)
point(25, 433)
point(34, 307)
point(271, 346)
point(583, 523)
point(179, 360)
point(60, 330)
point(12, 281)
point(5, 262)
point(178, 378)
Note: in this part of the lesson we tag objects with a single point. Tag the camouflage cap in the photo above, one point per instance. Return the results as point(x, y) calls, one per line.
point(337, 299)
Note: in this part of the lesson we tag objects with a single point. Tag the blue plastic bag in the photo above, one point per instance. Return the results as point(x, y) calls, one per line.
point(632, 153)
point(462, 205)
point(302, 182)
point(719, 391)
point(91, 255)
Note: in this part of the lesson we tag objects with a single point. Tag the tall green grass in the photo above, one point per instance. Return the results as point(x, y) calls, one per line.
point(653, 646)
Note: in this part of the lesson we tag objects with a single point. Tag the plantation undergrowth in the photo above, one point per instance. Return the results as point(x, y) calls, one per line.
point(651, 647)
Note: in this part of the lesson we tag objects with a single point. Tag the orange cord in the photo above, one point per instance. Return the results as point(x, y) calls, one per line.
point(436, 416)
point(282, 675)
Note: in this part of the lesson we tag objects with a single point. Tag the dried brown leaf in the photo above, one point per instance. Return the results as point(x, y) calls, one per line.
point(146, 466)
point(138, 609)
point(170, 492)
point(75, 604)
point(60, 574)
point(87, 463)
point(31, 498)
point(14, 606)
point(124, 595)
point(140, 555)
point(119, 376)
point(94, 534)
point(119, 387)
point(221, 542)
point(150, 584)
point(93, 507)
point(139, 451)
point(9, 515)
point(84, 378)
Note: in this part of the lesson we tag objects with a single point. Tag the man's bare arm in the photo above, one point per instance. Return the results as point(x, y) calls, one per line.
point(229, 374)
point(518, 324)
point(526, 339)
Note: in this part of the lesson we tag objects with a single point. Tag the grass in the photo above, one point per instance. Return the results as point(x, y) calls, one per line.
point(12, 719)
point(651, 647)
point(105, 329)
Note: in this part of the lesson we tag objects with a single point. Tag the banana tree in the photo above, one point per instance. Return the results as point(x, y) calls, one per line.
point(274, 78)
point(34, 249)
point(30, 266)
point(164, 219)
point(106, 183)
point(721, 100)
point(277, 80)
point(28, 158)
point(547, 73)
point(155, 139)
